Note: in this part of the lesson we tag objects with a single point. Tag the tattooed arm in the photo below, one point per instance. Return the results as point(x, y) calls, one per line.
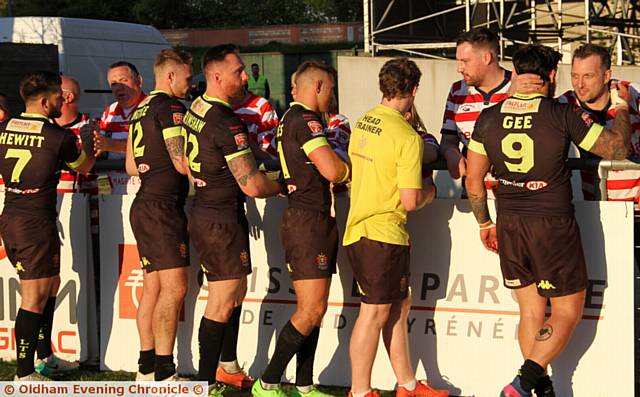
point(175, 148)
point(477, 167)
point(615, 143)
point(252, 182)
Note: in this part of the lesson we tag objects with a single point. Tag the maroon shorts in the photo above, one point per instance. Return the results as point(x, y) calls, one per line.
point(160, 229)
point(546, 251)
point(310, 240)
point(32, 245)
point(381, 270)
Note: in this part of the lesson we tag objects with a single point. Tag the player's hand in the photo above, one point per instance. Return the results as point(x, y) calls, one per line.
point(489, 239)
point(456, 163)
point(620, 95)
point(100, 143)
point(526, 83)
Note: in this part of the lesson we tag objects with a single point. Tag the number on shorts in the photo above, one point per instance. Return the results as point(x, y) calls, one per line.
point(524, 153)
point(23, 156)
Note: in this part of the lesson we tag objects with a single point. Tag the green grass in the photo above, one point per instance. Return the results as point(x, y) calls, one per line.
point(91, 373)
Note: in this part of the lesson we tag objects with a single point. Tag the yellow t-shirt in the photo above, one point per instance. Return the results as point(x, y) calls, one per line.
point(386, 155)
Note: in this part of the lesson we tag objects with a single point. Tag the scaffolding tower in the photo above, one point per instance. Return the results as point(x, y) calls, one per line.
point(429, 28)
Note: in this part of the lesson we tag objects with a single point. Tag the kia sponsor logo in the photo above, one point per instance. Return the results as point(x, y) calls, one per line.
point(536, 185)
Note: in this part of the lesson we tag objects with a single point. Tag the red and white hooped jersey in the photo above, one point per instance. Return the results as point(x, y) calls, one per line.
point(622, 185)
point(338, 132)
point(72, 182)
point(465, 103)
point(262, 122)
point(115, 124)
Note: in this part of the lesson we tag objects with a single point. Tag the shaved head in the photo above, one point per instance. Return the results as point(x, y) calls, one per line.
point(313, 85)
point(71, 85)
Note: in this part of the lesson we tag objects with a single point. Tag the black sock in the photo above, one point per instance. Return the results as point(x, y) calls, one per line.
point(305, 357)
point(147, 361)
point(230, 340)
point(164, 367)
point(544, 387)
point(530, 372)
point(44, 334)
point(210, 337)
point(27, 326)
point(289, 343)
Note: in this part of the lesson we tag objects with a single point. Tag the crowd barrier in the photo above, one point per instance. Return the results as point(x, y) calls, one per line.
point(463, 324)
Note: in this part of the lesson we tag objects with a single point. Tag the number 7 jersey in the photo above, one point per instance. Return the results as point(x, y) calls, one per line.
point(526, 138)
point(32, 152)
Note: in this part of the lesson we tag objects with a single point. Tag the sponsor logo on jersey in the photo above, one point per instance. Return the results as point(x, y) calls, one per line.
point(519, 106)
point(177, 118)
point(142, 168)
point(586, 118)
point(536, 185)
point(199, 182)
point(315, 127)
point(28, 126)
point(200, 107)
point(242, 142)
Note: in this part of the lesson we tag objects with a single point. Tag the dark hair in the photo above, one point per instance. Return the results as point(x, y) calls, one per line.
point(316, 65)
point(36, 84)
point(398, 77)
point(589, 49)
point(254, 64)
point(482, 37)
point(536, 59)
point(132, 67)
point(167, 55)
point(218, 54)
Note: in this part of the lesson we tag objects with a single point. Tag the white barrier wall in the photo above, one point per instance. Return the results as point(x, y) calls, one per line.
point(463, 324)
point(74, 335)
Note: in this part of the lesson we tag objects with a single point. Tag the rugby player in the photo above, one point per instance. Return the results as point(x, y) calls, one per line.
point(155, 153)
point(308, 230)
point(386, 156)
point(525, 139)
point(224, 171)
point(32, 151)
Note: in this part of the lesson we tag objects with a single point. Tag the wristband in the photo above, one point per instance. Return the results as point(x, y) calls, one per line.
point(487, 225)
point(345, 177)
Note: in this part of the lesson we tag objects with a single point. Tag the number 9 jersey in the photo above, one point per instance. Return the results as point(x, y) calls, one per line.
point(32, 152)
point(526, 138)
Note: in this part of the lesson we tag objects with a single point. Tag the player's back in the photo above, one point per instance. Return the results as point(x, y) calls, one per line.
point(526, 137)
point(32, 151)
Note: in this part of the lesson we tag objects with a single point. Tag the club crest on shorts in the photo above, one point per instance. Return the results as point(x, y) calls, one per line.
point(244, 258)
point(182, 247)
point(322, 261)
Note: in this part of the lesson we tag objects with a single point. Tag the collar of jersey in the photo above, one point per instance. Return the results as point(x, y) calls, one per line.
point(34, 115)
point(214, 99)
point(155, 92)
point(528, 96)
point(300, 104)
point(387, 109)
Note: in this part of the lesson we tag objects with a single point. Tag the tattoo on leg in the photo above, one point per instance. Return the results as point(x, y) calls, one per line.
point(544, 333)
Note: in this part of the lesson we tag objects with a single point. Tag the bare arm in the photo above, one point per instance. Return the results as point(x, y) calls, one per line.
point(329, 164)
point(456, 163)
point(252, 182)
point(130, 164)
point(414, 199)
point(478, 166)
point(175, 148)
point(614, 144)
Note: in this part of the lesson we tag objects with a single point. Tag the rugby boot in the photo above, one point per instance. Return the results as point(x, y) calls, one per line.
point(422, 390)
point(239, 379)
point(216, 390)
point(32, 377)
point(54, 365)
point(514, 389)
point(258, 391)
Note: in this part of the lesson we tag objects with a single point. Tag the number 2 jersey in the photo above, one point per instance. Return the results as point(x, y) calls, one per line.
point(157, 118)
point(215, 135)
point(526, 138)
point(33, 150)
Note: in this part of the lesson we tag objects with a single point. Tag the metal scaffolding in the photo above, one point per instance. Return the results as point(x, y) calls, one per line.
point(562, 24)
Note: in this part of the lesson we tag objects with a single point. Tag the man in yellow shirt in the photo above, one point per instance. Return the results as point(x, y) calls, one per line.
point(386, 158)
